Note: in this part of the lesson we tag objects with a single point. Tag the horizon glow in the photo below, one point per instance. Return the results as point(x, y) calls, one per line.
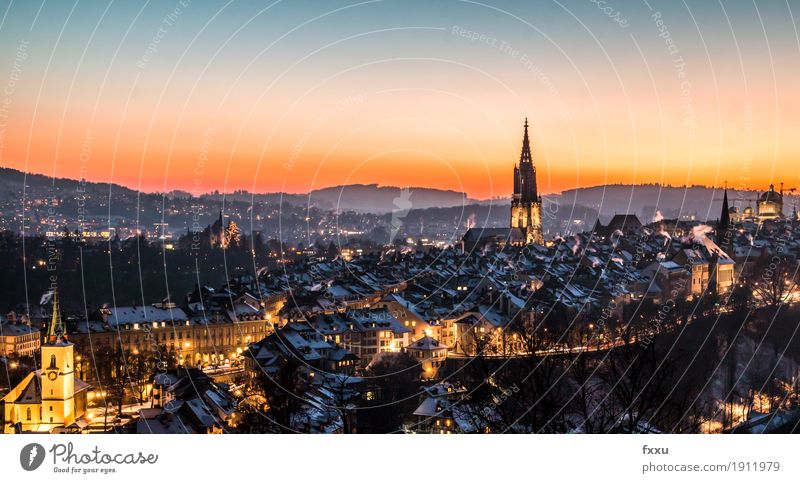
point(296, 96)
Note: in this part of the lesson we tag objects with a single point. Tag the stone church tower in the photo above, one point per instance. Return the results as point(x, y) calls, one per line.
point(526, 204)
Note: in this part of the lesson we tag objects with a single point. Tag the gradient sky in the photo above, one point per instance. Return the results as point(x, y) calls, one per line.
point(307, 94)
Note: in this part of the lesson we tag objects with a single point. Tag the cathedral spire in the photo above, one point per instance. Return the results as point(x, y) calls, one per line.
point(525, 155)
point(55, 330)
point(725, 216)
point(526, 204)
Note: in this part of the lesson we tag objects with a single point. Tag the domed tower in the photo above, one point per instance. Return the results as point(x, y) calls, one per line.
point(526, 204)
point(770, 204)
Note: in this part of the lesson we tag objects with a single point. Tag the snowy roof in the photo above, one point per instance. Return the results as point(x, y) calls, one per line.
point(143, 313)
point(426, 343)
point(9, 329)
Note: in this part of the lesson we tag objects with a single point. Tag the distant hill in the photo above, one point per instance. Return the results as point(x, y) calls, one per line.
point(647, 201)
point(383, 199)
point(368, 198)
point(651, 201)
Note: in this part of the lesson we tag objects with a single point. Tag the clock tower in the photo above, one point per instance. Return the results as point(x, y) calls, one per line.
point(49, 399)
point(58, 376)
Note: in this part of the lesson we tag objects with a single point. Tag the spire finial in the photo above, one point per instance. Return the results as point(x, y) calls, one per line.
point(525, 155)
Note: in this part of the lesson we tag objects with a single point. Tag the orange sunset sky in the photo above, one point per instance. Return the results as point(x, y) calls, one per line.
point(306, 95)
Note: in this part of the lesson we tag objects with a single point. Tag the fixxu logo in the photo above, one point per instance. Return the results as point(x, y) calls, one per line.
point(31, 456)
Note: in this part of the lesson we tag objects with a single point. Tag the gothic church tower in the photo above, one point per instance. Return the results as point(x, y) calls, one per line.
point(526, 204)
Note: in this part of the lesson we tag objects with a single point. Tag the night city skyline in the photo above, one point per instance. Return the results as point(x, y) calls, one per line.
point(399, 223)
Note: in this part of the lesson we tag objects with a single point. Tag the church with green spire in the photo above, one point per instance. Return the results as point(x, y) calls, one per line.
point(50, 399)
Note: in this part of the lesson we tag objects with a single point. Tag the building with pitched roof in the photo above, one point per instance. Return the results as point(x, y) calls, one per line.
point(50, 399)
point(17, 337)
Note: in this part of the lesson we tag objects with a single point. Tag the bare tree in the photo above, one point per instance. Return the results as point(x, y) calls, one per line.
point(395, 377)
point(522, 393)
point(342, 393)
point(775, 279)
point(281, 391)
point(587, 392)
point(642, 388)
